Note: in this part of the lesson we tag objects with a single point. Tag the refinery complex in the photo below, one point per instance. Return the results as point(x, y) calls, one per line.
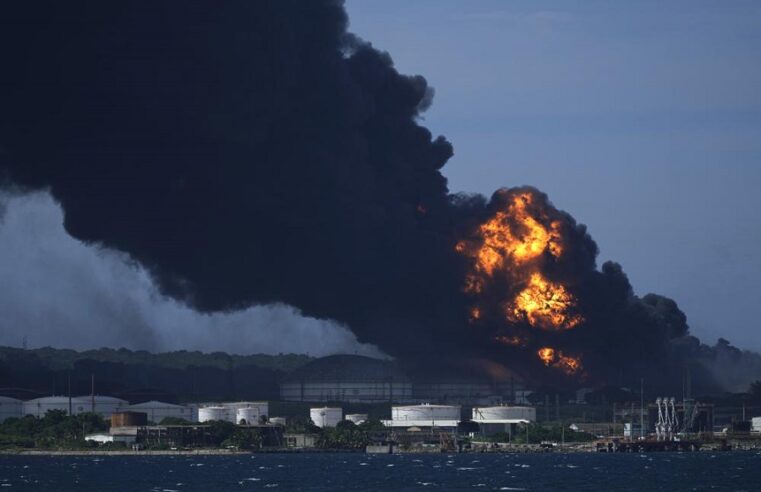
point(404, 412)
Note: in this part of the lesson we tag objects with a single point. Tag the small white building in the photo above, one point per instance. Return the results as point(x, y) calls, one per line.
point(497, 419)
point(326, 416)
point(158, 411)
point(755, 424)
point(104, 438)
point(40, 406)
point(425, 415)
point(104, 406)
point(10, 408)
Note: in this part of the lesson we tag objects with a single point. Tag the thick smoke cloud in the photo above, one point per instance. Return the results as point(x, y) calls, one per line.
point(257, 152)
point(244, 152)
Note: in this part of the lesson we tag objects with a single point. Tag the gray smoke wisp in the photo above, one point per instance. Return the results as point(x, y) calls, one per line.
point(60, 292)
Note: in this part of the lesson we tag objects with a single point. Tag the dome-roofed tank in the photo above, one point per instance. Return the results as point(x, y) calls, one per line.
point(40, 406)
point(347, 368)
point(105, 406)
point(350, 378)
point(9, 408)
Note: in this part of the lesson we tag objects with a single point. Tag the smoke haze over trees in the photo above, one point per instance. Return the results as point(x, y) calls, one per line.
point(249, 153)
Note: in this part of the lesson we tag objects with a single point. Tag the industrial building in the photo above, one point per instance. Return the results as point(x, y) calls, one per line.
point(502, 419)
point(158, 411)
point(326, 416)
point(128, 419)
point(424, 416)
point(10, 408)
point(755, 424)
point(347, 378)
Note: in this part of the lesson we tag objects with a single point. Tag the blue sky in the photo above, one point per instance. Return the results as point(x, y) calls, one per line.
point(642, 119)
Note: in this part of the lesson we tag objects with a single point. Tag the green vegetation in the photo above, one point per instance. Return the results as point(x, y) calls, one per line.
point(347, 435)
point(228, 435)
point(175, 421)
point(553, 433)
point(174, 377)
point(54, 431)
point(65, 359)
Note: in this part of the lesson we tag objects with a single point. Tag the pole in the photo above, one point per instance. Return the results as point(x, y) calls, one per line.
point(641, 407)
point(68, 380)
point(631, 418)
point(92, 393)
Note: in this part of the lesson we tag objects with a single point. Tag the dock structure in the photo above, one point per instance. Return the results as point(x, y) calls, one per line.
point(645, 446)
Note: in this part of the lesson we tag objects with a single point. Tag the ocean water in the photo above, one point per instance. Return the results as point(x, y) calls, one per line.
point(671, 472)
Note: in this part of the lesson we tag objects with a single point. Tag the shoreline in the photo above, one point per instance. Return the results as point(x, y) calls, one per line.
point(228, 452)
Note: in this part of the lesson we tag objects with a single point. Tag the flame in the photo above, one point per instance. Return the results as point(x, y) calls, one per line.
point(547, 355)
point(515, 235)
point(567, 364)
point(511, 255)
point(511, 340)
point(510, 244)
point(544, 304)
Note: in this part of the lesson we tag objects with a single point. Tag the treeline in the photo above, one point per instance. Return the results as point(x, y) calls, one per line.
point(176, 377)
point(55, 430)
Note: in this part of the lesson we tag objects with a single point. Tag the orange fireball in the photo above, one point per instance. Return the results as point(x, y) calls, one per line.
point(544, 304)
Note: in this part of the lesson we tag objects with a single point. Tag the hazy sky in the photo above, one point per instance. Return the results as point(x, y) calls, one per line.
point(642, 119)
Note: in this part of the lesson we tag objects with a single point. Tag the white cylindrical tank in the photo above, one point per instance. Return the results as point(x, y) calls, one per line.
point(425, 412)
point(277, 421)
point(259, 408)
point(326, 416)
point(10, 407)
point(357, 418)
point(504, 413)
point(247, 415)
point(206, 414)
point(40, 406)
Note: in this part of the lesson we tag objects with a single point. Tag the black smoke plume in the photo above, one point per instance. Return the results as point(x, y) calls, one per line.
point(256, 151)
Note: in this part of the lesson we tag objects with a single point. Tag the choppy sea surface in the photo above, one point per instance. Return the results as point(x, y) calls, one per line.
point(342, 472)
